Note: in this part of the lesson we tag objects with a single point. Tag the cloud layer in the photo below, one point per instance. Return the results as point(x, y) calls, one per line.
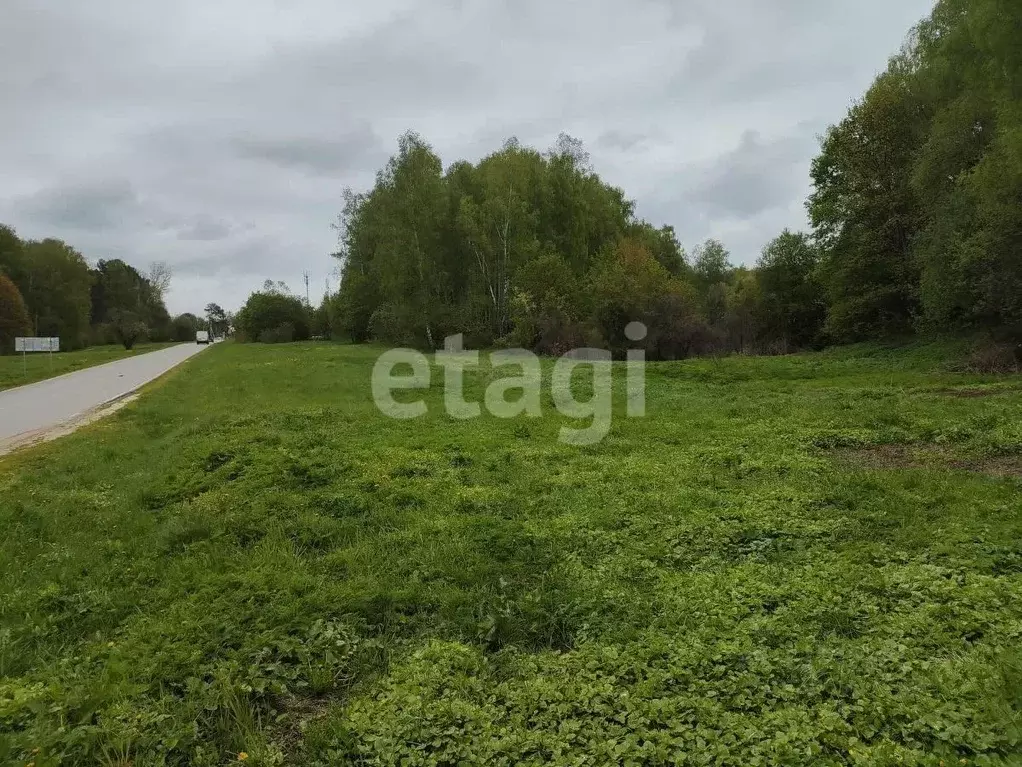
point(218, 136)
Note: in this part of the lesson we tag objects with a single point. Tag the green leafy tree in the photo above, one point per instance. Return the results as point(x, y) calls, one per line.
point(127, 327)
point(626, 285)
point(410, 252)
point(793, 304)
point(11, 254)
point(743, 301)
point(319, 319)
point(392, 248)
point(273, 316)
point(499, 226)
point(675, 324)
point(663, 245)
point(967, 170)
point(55, 282)
point(548, 301)
point(865, 214)
point(184, 327)
point(711, 265)
point(359, 295)
point(119, 290)
point(579, 215)
point(14, 320)
point(916, 190)
point(219, 324)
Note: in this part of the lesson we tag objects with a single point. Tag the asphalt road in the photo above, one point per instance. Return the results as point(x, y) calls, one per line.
point(30, 411)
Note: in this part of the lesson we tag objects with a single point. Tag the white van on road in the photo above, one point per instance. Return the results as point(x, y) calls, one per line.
point(202, 336)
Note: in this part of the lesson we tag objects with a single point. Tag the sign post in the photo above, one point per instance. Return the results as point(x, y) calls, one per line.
point(26, 345)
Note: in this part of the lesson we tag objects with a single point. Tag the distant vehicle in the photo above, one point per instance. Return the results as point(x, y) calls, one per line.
point(202, 336)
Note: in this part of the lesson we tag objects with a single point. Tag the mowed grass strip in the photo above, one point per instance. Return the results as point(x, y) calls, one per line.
point(18, 369)
point(251, 562)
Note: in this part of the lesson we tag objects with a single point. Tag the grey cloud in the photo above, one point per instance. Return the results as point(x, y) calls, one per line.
point(390, 65)
point(620, 140)
point(744, 196)
point(205, 230)
point(491, 135)
point(757, 176)
point(88, 205)
point(724, 79)
point(750, 50)
point(111, 204)
point(248, 258)
point(359, 149)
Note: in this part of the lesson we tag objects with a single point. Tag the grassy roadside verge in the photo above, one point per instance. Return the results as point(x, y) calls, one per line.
point(252, 560)
point(15, 371)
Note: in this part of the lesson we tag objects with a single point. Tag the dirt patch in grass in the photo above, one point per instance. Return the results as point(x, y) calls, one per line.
point(295, 715)
point(969, 392)
point(1000, 466)
point(927, 457)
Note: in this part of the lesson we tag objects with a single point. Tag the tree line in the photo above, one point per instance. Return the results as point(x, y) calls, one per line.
point(534, 249)
point(47, 288)
point(915, 213)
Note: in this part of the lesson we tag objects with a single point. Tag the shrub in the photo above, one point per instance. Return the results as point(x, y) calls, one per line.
point(676, 329)
point(557, 334)
point(101, 334)
point(184, 327)
point(393, 324)
point(127, 328)
point(627, 284)
point(283, 334)
point(161, 331)
point(994, 357)
point(268, 312)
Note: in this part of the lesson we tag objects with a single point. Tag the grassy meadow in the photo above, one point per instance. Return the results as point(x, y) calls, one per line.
point(18, 370)
point(808, 560)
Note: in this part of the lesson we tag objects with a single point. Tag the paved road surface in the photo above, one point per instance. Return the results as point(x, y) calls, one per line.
point(30, 411)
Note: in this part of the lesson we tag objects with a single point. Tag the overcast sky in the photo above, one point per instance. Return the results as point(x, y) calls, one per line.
point(218, 136)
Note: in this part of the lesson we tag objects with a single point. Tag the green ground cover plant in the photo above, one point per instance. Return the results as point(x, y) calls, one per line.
point(15, 371)
point(251, 563)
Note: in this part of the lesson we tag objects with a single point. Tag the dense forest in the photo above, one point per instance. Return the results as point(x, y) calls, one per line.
point(916, 220)
point(47, 288)
point(918, 191)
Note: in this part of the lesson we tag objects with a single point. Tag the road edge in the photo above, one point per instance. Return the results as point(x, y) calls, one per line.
point(70, 425)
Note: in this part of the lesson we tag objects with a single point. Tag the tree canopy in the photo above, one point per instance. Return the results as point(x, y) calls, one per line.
point(533, 249)
point(916, 192)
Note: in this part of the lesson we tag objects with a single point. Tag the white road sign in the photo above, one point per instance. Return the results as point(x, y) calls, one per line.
point(37, 344)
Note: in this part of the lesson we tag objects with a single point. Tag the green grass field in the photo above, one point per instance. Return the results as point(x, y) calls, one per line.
point(18, 370)
point(811, 560)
